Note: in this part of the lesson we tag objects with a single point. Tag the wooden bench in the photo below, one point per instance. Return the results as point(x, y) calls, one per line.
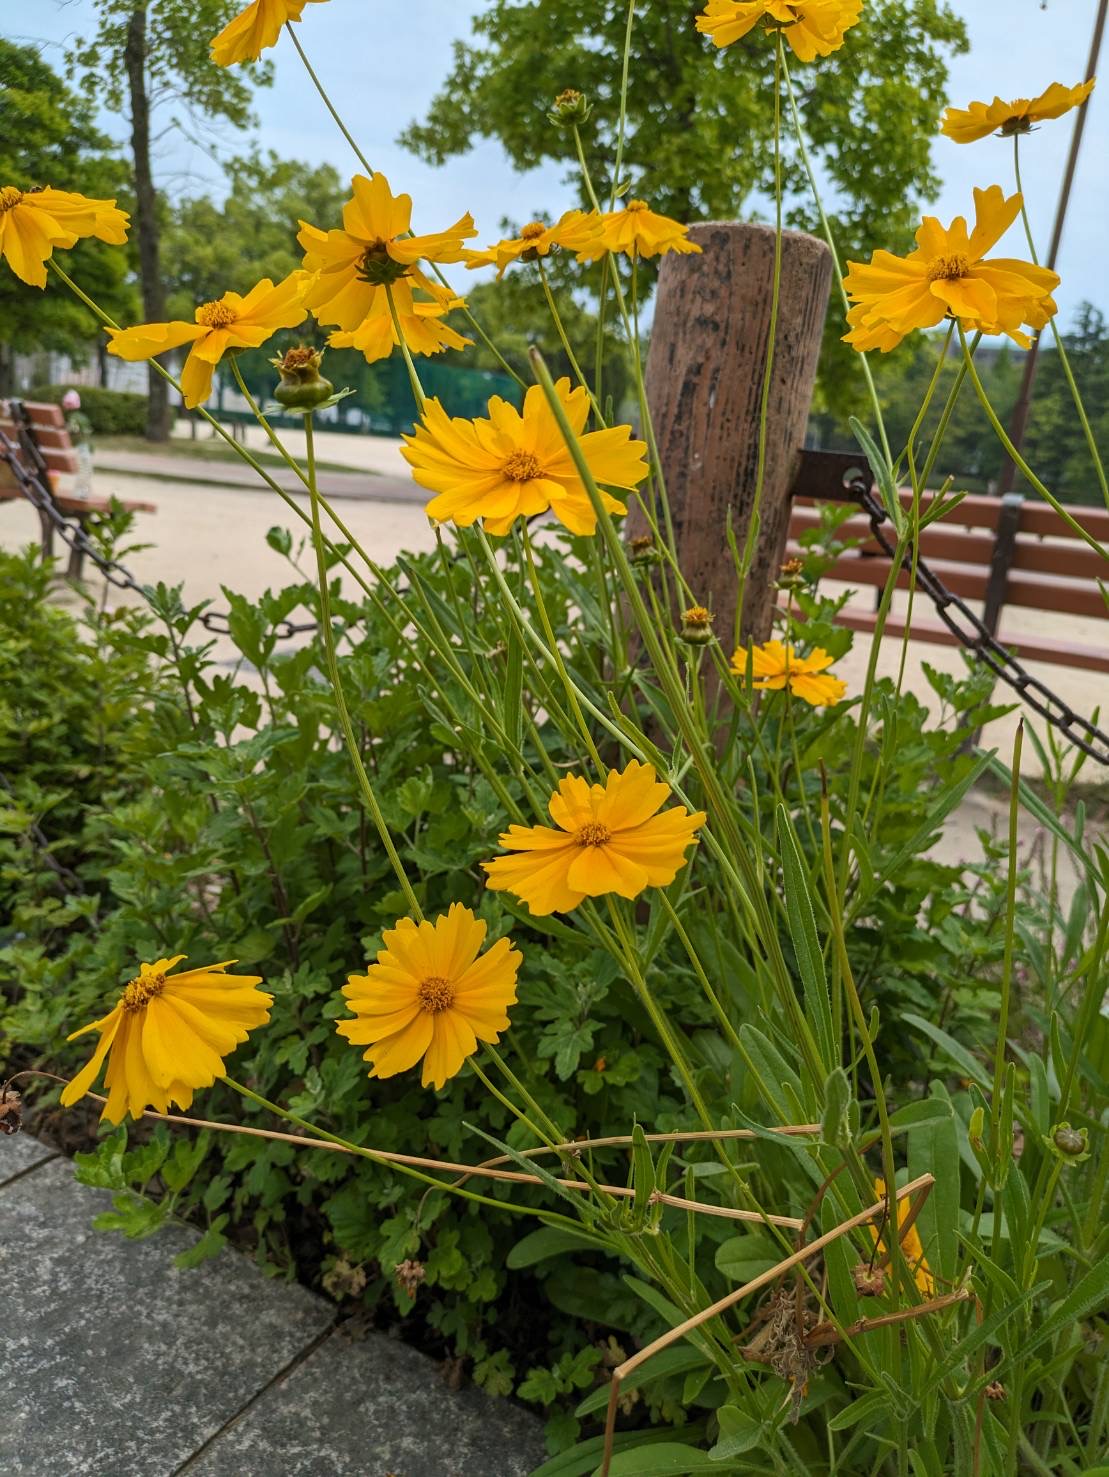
point(1000, 551)
point(46, 452)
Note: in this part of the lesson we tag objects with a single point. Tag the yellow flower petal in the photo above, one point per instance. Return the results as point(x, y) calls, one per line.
point(254, 30)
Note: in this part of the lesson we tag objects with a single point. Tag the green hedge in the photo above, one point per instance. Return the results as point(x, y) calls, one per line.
point(110, 412)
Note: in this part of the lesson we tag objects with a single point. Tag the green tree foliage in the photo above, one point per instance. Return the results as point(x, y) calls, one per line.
point(48, 137)
point(212, 248)
point(700, 135)
point(700, 132)
point(143, 56)
point(1054, 444)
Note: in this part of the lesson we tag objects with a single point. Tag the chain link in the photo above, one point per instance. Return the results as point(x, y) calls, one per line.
point(35, 484)
point(974, 634)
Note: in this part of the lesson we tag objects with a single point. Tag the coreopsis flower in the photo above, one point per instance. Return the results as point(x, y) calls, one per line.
point(911, 1245)
point(513, 465)
point(231, 322)
point(947, 276)
point(255, 30)
point(606, 838)
point(354, 269)
point(34, 222)
point(966, 125)
point(167, 1036)
point(638, 231)
point(431, 994)
point(774, 667)
point(812, 27)
point(575, 230)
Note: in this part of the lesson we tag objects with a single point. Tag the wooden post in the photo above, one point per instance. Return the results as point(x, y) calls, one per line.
point(704, 387)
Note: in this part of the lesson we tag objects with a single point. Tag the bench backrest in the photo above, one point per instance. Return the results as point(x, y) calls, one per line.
point(51, 437)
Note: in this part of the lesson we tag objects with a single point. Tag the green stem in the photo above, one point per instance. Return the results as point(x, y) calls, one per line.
point(1015, 456)
point(1007, 956)
point(565, 342)
point(413, 377)
point(623, 119)
point(328, 636)
point(358, 154)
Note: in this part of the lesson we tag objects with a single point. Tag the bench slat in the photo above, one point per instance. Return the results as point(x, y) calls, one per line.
point(1037, 517)
point(1028, 648)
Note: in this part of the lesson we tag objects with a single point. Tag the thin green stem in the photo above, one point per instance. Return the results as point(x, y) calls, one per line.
point(622, 121)
point(406, 353)
point(1015, 456)
point(564, 340)
point(358, 154)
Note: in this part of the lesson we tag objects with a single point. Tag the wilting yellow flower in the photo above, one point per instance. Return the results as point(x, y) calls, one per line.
point(255, 30)
point(168, 1035)
point(431, 994)
point(609, 839)
point(911, 1244)
point(965, 125)
point(774, 666)
point(575, 230)
point(638, 231)
point(515, 465)
point(947, 276)
point(352, 269)
point(33, 222)
point(233, 322)
point(812, 27)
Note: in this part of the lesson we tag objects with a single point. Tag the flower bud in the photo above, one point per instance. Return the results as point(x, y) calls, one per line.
point(302, 386)
point(642, 550)
point(569, 109)
point(696, 626)
point(1071, 1145)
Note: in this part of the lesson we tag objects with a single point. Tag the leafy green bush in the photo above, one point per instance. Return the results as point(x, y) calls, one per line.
point(110, 412)
point(162, 802)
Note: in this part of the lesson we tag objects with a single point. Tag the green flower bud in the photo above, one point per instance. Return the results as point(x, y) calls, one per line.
point(1071, 1145)
point(696, 626)
point(570, 108)
point(302, 386)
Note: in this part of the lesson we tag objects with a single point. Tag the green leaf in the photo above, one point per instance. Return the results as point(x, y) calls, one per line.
point(549, 1241)
point(678, 1359)
point(957, 1053)
point(668, 1459)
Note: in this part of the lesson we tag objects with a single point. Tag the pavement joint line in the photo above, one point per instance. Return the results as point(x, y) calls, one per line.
point(301, 1357)
point(21, 1174)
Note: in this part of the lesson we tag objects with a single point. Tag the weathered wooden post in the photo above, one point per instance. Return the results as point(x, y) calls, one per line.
point(704, 386)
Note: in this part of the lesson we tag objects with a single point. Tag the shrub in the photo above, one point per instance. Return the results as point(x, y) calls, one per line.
point(110, 412)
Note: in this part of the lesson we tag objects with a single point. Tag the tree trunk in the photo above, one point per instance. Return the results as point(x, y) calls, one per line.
point(146, 216)
point(7, 370)
point(704, 385)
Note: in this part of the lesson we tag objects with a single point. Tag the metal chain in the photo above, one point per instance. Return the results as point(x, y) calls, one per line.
point(974, 635)
point(34, 486)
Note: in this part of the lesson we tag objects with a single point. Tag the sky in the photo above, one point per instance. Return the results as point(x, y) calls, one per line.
point(387, 77)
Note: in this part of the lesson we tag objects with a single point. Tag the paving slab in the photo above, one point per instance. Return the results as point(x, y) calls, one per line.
point(373, 1408)
point(19, 1152)
point(360, 485)
point(116, 1364)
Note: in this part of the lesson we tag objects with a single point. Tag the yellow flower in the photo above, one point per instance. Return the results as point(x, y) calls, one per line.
point(911, 1244)
point(168, 1035)
point(638, 231)
point(254, 30)
point(233, 322)
point(774, 666)
point(609, 839)
point(575, 230)
point(947, 276)
point(431, 994)
point(966, 125)
point(515, 465)
point(352, 268)
point(33, 222)
point(812, 27)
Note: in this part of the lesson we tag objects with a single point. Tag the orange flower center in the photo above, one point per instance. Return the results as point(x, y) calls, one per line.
point(949, 268)
point(532, 231)
point(637, 205)
point(9, 197)
point(215, 315)
point(593, 834)
point(141, 990)
point(435, 994)
point(696, 615)
point(522, 466)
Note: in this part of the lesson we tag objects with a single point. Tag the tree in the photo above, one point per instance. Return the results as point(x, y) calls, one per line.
point(210, 248)
point(701, 121)
point(146, 54)
point(47, 137)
